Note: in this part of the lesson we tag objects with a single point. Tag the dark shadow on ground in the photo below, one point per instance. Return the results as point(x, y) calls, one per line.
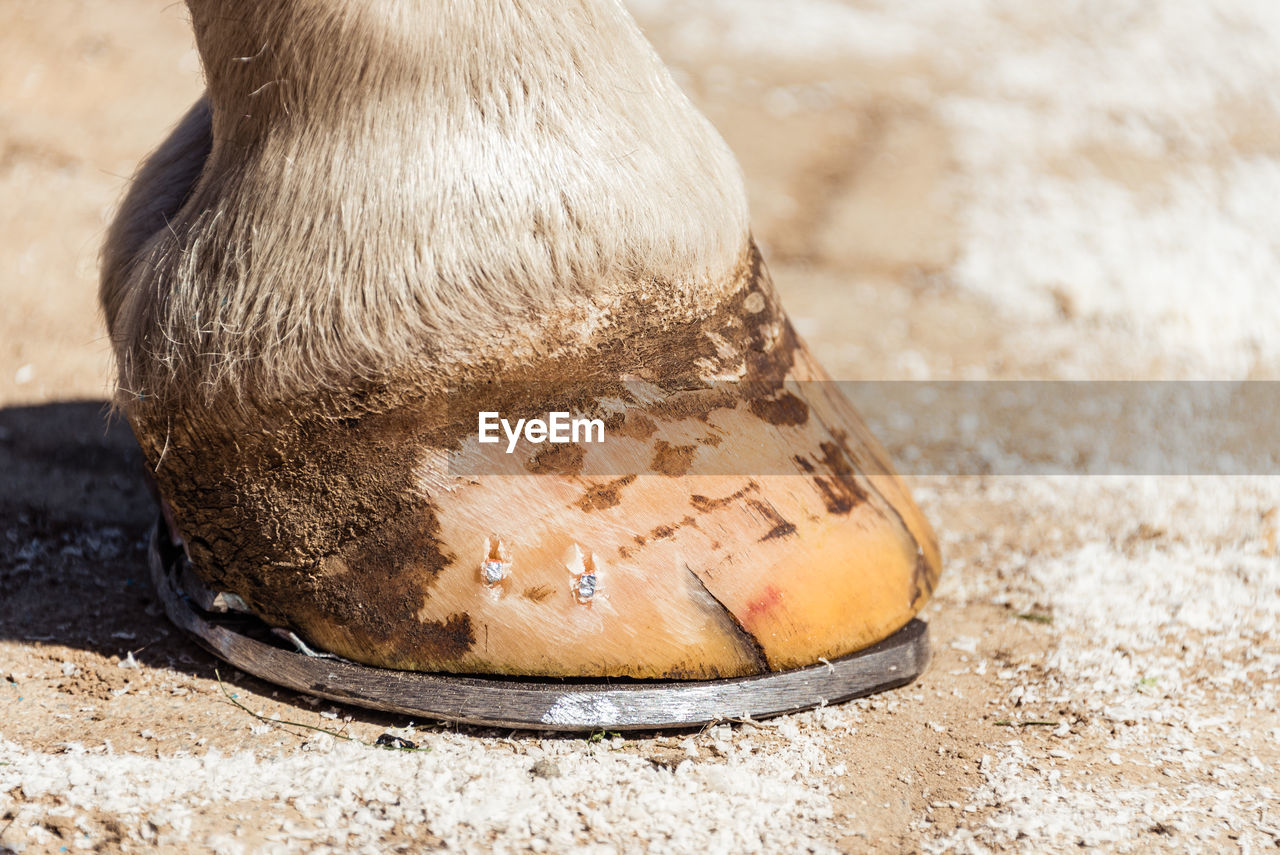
point(73, 514)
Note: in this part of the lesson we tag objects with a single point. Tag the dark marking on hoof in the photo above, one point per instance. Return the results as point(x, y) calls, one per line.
point(922, 580)
point(841, 492)
point(448, 639)
point(696, 404)
point(633, 425)
point(704, 505)
point(558, 460)
point(672, 460)
point(781, 527)
point(383, 580)
point(664, 531)
point(785, 410)
point(601, 497)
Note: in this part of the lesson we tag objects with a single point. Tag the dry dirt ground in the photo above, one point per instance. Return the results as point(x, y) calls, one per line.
point(964, 189)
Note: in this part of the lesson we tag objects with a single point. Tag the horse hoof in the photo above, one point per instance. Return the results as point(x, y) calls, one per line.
point(384, 225)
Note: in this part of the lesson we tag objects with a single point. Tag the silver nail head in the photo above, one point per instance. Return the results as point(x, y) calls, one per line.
point(493, 572)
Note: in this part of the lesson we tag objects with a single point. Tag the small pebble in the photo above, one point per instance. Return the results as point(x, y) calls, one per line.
point(545, 768)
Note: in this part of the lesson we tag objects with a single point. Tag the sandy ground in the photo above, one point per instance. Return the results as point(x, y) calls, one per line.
point(964, 189)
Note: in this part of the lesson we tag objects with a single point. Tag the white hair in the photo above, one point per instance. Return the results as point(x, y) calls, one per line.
point(378, 190)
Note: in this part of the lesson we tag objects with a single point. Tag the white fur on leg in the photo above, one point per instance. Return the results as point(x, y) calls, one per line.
point(396, 178)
